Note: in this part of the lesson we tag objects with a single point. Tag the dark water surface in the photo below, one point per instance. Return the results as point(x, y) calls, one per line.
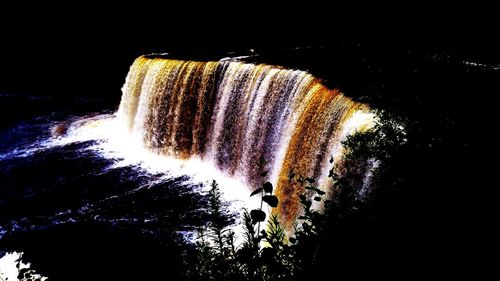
point(75, 217)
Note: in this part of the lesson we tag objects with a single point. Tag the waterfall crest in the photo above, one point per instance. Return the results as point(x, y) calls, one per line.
point(232, 114)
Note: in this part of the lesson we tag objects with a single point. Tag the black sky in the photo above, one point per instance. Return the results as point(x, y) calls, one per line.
point(83, 51)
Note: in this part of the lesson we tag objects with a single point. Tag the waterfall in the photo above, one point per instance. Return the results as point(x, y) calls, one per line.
point(232, 114)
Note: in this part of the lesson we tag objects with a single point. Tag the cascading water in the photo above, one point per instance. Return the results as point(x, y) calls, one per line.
point(232, 114)
point(180, 124)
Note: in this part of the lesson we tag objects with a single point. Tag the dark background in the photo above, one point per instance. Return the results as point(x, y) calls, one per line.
point(87, 51)
point(412, 65)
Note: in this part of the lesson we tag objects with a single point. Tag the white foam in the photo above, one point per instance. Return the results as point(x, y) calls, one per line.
point(114, 142)
point(9, 267)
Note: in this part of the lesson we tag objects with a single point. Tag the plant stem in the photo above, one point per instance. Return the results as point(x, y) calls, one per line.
point(261, 201)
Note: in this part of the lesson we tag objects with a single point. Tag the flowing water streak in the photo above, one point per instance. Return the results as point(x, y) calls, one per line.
point(232, 114)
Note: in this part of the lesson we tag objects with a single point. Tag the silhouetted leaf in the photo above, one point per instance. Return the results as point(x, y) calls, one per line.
point(258, 190)
point(268, 187)
point(310, 180)
point(319, 191)
point(268, 254)
point(271, 200)
point(331, 160)
point(310, 187)
point(257, 216)
point(263, 174)
point(330, 174)
point(307, 204)
point(292, 240)
point(317, 198)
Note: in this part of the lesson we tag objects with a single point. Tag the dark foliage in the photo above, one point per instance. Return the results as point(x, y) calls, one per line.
point(324, 239)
